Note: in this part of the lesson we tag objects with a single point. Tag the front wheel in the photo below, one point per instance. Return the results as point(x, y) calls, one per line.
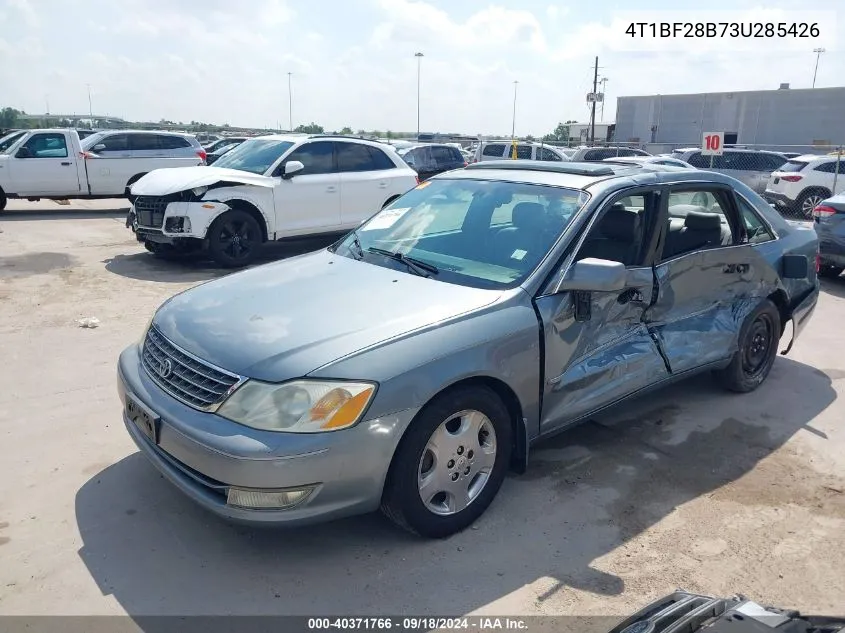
point(758, 346)
point(234, 239)
point(450, 463)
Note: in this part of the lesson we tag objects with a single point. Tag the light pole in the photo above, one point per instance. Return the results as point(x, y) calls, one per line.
point(90, 109)
point(513, 124)
point(818, 52)
point(419, 57)
point(290, 106)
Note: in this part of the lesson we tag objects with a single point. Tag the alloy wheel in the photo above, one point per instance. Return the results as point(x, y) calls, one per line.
point(236, 239)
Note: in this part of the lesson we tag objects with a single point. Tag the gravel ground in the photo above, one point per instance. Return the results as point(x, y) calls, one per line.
point(692, 487)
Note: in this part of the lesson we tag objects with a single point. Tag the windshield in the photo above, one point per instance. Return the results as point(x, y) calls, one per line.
point(7, 141)
point(255, 156)
point(90, 141)
point(484, 234)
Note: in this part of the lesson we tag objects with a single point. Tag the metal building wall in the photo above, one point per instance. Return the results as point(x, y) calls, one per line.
point(764, 117)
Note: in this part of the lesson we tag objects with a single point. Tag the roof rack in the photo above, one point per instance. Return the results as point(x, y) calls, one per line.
point(575, 169)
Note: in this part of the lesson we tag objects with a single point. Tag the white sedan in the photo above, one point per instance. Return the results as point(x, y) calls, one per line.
point(657, 160)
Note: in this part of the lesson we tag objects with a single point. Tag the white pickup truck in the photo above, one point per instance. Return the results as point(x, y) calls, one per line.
point(51, 164)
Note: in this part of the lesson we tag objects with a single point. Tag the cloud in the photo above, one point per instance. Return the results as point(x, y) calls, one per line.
point(25, 10)
point(422, 23)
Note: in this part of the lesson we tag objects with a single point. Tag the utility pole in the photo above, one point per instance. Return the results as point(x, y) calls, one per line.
point(603, 95)
point(290, 106)
point(593, 109)
point(47, 99)
point(419, 57)
point(818, 52)
point(90, 109)
point(513, 125)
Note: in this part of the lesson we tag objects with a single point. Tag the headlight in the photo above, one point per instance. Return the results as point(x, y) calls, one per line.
point(199, 191)
point(302, 406)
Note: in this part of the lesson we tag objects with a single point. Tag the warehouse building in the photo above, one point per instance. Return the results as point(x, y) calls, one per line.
point(773, 119)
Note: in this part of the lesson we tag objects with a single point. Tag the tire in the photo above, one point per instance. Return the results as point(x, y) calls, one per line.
point(389, 201)
point(758, 348)
point(809, 200)
point(234, 239)
point(830, 272)
point(479, 459)
point(3, 200)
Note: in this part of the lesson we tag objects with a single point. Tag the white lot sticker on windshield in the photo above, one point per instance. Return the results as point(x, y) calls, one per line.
point(385, 219)
point(519, 254)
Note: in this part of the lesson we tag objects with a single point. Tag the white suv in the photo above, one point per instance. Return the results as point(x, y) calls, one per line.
point(802, 183)
point(267, 188)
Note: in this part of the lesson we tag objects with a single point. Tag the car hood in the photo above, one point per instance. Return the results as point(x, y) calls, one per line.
point(284, 320)
point(162, 182)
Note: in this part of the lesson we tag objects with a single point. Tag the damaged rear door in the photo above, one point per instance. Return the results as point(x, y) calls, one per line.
point(708, 276)
point(597, 346)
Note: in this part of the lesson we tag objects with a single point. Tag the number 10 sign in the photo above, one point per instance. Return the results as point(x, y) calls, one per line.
point(712, 144)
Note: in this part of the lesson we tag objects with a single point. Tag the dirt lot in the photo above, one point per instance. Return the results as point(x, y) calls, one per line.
point(691, 488)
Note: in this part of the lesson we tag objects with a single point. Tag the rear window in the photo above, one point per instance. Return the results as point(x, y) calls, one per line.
point(793, 165)
point(493, 149)
point(172, 142)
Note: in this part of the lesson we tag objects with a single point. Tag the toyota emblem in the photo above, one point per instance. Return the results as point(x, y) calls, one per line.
point(165, 368)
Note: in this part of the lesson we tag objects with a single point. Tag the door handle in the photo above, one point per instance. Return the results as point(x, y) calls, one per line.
point(331, 189)
point(382, 185)
point(65, 164)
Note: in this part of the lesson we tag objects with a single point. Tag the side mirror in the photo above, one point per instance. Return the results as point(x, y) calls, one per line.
point(99, 147)
point(594, 275)
point(23, 152)
point(292, 168)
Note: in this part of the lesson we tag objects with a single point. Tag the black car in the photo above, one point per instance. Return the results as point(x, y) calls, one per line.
point(430, 159)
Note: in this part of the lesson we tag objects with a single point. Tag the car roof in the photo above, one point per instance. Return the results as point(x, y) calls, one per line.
point(581, 175)
point(730, 149)
point(166, 132)
point(809, 158)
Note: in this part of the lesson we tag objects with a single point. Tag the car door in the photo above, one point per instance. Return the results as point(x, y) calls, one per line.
point(43, 165)
point(597, 348)
point(309, 200)
point(365, 181)
point(707, 274)
point(115, 146)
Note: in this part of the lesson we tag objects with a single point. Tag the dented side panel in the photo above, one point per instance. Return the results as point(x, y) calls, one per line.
point(703, 299)
point(591, 363)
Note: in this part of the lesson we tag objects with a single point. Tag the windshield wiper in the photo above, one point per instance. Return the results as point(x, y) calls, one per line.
point(416, 266)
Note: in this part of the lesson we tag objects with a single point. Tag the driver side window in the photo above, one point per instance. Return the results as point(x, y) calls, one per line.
point(620, 233)
point(318, 157)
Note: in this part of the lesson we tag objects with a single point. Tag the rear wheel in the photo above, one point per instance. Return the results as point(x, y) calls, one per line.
point(450, 463)
point(758, 345)
point(3, 200)
point(809, 200)
point(234, 239)
point(830, 272)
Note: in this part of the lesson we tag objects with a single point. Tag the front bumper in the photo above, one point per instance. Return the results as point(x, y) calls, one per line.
point(778, 199)
point(203, 454)
point(180, 220)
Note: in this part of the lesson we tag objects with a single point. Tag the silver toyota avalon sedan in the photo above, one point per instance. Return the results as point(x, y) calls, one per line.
point(410, 365)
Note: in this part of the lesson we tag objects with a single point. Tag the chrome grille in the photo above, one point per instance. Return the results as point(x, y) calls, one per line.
point(183, 376)
point(149, 210)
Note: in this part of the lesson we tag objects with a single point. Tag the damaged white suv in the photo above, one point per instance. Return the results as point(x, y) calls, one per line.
point(268, 188)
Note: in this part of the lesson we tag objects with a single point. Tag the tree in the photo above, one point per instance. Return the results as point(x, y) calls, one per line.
point(346, 130)
point(311, 128)
point(529, 138)
point(9, 117)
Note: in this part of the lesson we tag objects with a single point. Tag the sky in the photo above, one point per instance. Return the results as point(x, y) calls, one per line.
point(353, 63)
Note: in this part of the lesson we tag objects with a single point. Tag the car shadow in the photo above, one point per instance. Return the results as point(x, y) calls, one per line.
point(147, 267)
point(587, 492)
point(60, 214)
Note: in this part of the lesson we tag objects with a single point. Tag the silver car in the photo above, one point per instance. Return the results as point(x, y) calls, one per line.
point(413, 363)
point(753, 167)
point(143, 144)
